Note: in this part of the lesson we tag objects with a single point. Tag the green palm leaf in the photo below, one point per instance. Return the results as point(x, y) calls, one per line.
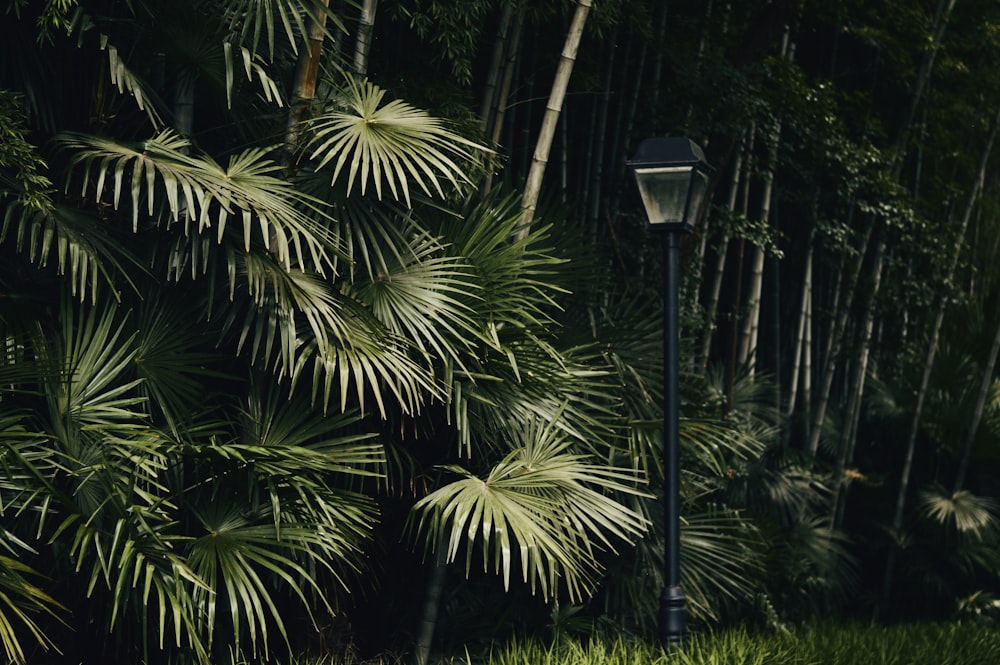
point(966, 512)
point(721, 555)
point(21, 601)
point(78, 241)
point(171, 361)
point(235, 558)
point(542, 504)
point(200, 194)
point(89, 362)
point(375, 370)
point(389, 144)
point(516, 276)
point(260, 19)
point(302, 462)
point(417, 291)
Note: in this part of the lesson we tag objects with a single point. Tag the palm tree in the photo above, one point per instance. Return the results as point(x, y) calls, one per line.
point(211, 348)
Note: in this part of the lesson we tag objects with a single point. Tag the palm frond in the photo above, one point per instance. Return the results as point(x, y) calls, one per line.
point(517, 276)
point(346, 347)
point(200, 194)
point(90, 368)
point(721, 556)
point(138, 560)
point(377, 368)
point(963, 510)
point(812, 566)
point(78, 241)
point(127, 81)
point(299, 439)
point(20, 600)
point(530, 379)
point(254, 69)
point(543, 502)
point(417, 291)
point(171, 361)
point(391, 144)
point(243, 557)
point(256, 20)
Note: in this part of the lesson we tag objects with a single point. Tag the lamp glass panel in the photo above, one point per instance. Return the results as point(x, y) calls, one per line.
point(664, 192)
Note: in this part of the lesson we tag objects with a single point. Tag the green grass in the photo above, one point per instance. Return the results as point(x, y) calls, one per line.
point(913, 644)
point(827, 644)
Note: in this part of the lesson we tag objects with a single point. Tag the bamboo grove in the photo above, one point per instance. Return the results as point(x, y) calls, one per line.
point(333, 327)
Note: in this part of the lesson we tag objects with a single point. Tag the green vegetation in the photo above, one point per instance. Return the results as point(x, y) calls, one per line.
point(827, 644)
point(823, 644)
point(334, 327)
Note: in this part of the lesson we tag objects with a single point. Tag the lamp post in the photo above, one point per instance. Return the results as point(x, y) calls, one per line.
point(672, 176)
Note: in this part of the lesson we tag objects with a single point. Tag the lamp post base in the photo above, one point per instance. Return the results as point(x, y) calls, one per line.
point(672, 625)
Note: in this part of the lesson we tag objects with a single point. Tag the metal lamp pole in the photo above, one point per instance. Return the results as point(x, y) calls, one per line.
point(672, 625)
point(672, 176)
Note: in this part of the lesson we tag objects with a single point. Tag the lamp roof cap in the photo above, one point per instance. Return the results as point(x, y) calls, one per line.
point(666, 150)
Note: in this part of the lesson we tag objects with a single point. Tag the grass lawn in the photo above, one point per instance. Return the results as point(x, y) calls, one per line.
point(911, 644)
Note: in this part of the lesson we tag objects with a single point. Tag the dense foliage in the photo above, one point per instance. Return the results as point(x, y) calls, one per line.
point(294, 361)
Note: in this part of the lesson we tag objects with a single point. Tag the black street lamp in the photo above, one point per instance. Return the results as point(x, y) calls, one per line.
point(672, 175)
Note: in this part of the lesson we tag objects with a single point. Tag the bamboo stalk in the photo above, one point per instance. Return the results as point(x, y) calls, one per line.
point(533, 186)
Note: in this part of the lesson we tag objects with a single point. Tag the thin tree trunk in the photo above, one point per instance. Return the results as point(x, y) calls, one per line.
point(499, 110)
point(533, 186)
point(184, 103)
point(364, 42)
point(600, 138)
point(432, 603)
point(835, 343)
point(751, 331)
point(712, 307)
point(940, 22)
point(699, 57)
point(623, 129)
point(488, 105)
point(654, 79)
point(977, 414)
point(304, 85)
point(510, 67)
point(525, 108)
point(738, 290)
point(849, 428)
point(747, 354)
point(800, 333)
point(911, 443)
point(807, 369)
point(184, 124)
point(748, 345)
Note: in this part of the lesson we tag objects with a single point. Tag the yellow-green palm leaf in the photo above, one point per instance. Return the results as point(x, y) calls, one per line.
point(390, 144)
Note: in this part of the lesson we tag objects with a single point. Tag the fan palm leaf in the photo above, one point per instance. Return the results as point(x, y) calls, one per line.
point(78, 242)
point(237, 556)
point(255, 20)
point(414, 288)
point(376, 368)
point(390, 144)
point(721, 555)
point(516, 275)
point(171, 360)
point(285, 522)
point(21, 601)
point(200, 194)
point(542, 504)
point(519, 365)
point(963, 510)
